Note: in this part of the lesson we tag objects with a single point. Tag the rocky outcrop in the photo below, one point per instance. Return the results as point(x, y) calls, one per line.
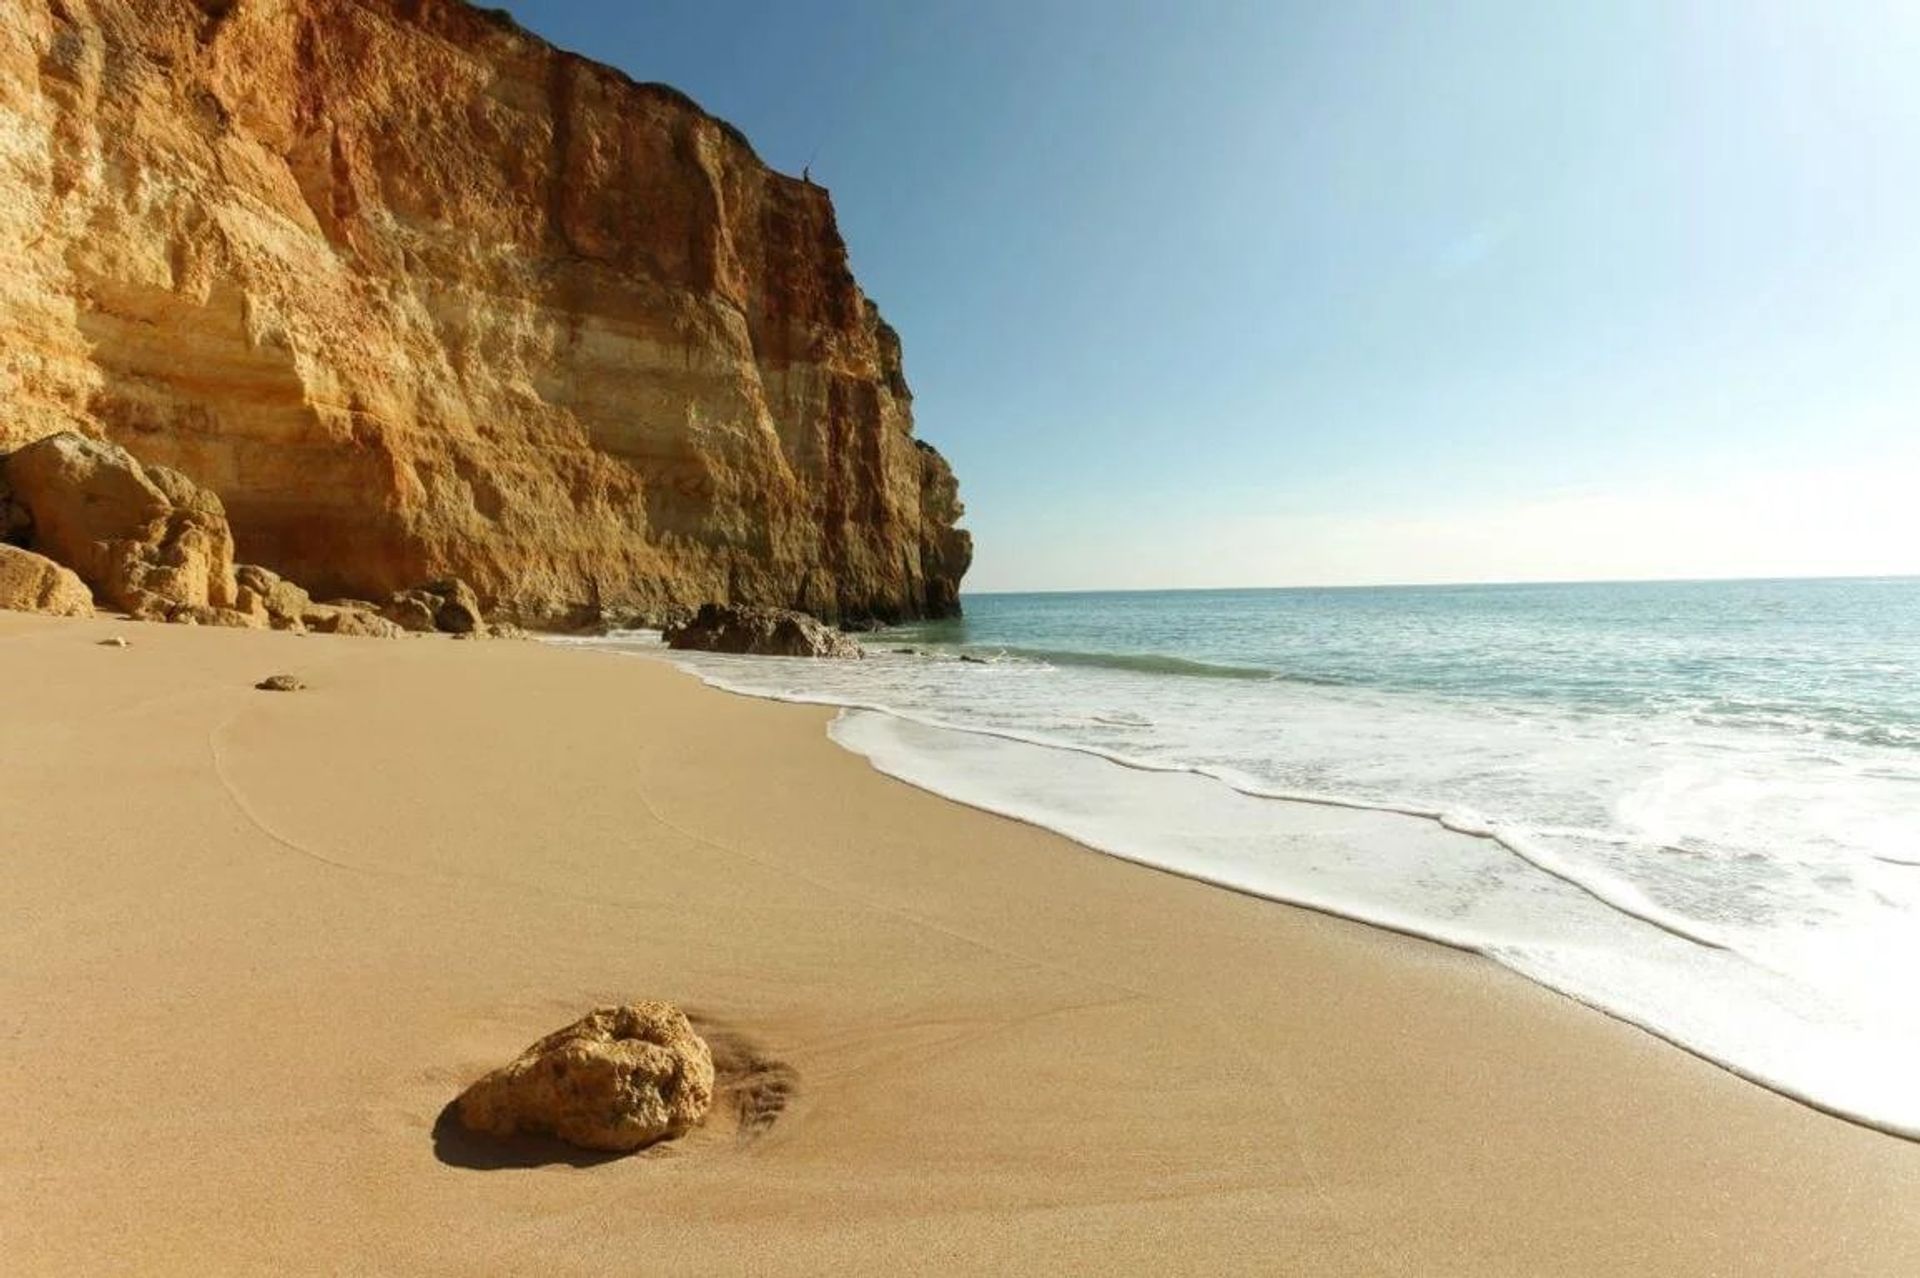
point(152, 543)
point(617, 1079)
point(945, 550)
point(349, 618)
point(34, 583)
point(268, 598)
point(146, 539)
point(418, 295)
point(611, 618)
point(261, 592)
point(763, 632)
point(448, 606)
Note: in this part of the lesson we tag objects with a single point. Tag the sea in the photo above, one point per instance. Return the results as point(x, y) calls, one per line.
point(1692, 805)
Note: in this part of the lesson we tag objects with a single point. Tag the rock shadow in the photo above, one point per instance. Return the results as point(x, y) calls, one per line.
point(455, 1146)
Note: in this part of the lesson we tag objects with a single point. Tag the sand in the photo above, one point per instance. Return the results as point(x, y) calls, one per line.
point(252, 943)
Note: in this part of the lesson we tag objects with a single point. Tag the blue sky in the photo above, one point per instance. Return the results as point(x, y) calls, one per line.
point(1221, 293)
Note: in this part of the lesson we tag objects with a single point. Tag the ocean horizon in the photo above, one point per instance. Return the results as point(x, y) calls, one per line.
point(966, 595)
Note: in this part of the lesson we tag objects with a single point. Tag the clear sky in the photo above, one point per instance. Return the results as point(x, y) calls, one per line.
point(1213, 292)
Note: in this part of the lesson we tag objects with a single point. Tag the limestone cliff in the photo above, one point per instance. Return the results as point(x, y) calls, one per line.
point(418, 295)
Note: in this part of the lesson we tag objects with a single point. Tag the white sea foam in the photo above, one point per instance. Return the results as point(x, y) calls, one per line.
point(1419, 876)
point(1728, 893)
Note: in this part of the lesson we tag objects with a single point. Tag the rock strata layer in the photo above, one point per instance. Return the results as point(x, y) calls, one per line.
point(617, 1079)
point(415, 295)
point(763, 632)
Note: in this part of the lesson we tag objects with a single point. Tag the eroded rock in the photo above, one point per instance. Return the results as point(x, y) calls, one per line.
point(411, 610)
point(280, 683)
point(617, 1079)
point(347, 619)
point(156, 545)
point(202, 615)
point(606, 619)
point(34, 583)
point(144, 538)
point(459, 611)
point(448, 606)
point(266, 593)
point(765, 632)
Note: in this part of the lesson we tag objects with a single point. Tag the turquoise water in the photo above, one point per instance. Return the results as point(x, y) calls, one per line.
point(1838, 658)
point(1695, 805)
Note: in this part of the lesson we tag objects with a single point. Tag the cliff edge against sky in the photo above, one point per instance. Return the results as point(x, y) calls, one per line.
point(417, 294)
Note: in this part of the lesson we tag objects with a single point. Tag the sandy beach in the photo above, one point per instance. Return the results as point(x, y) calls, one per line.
point(255, 943)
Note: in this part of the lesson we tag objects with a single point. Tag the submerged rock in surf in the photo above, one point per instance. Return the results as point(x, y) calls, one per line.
point(764, 632)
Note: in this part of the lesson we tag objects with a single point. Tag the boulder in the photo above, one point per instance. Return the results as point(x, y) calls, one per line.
point(345, 619)
point(603, 619)
point(459, 612)
point(202, 615)
point(766, 632)
point(359, 623)
point(144, 605)
point(133, 533)
point(672, 617)
point(617, 1079)
point(34, 583)
point(411, 610)
point(448, 605)
point(280, 683)
point(267, 593)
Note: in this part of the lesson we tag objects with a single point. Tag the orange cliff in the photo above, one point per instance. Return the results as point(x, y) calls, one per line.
point(418, 295)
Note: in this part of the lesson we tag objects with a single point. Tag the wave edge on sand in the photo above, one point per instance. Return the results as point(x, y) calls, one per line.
point(1873, 1097)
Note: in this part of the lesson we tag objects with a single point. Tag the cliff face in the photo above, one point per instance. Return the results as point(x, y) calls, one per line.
point(417, 294)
